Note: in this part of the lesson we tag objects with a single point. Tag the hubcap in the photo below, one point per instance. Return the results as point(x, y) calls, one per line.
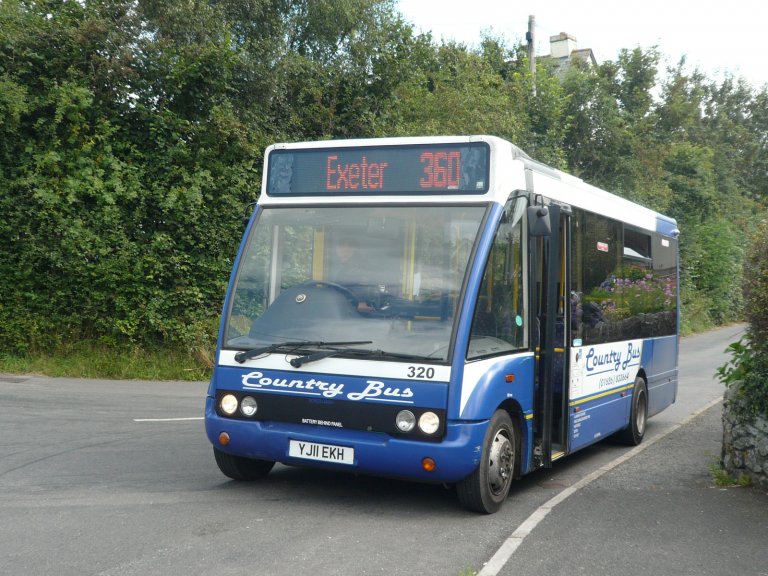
point(501, 458)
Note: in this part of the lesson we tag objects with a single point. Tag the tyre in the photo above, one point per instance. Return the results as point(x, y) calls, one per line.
point(487, 487)
point(633, 434)
point(239, 468)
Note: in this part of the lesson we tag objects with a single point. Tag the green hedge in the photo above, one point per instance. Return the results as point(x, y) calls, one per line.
point(749, 361)
point(132, 134)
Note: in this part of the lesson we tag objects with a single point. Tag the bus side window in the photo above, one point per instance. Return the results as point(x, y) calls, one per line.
point(596, 298)
point(499, 309)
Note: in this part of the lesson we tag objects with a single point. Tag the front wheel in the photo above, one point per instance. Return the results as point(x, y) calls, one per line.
point(487, 487)
point(239, 468)
point(633, 434)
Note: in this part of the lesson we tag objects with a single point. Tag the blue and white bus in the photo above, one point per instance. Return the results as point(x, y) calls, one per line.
point(440, 309)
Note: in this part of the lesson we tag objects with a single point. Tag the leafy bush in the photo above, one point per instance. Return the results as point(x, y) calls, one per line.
point(132, 134)
point(749, 356)
point(756, 291)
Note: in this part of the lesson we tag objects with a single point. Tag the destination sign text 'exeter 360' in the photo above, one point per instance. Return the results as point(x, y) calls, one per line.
point(414, 169)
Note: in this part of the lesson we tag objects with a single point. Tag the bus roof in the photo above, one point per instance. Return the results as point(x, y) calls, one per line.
point(509, 169)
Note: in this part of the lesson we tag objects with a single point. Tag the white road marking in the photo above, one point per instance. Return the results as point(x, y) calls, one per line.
point(167, 419)
point(507, 549)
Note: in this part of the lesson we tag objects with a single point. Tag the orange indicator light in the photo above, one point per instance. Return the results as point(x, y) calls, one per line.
point(428, 464)
point(223, 438)
point(509, 378)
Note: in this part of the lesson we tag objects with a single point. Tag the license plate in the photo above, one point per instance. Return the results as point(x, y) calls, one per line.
point(321, 452)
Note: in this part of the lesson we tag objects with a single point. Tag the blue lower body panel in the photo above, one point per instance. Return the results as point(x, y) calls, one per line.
point(457, 454)
point(598, 418)
point(661, 369)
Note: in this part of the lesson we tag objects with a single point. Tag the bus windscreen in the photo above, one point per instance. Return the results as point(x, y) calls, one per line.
point(382, 170)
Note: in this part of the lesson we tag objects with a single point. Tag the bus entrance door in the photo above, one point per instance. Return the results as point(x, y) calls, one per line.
point(550, 256)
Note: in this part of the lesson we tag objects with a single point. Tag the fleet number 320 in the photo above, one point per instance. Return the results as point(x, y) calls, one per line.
point(421, 372)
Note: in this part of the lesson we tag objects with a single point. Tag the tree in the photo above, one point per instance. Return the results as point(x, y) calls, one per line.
point(132, 136)
point(596, 139)
point(749, 363)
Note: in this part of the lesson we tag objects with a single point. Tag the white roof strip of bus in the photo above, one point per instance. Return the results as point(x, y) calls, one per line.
point(570, 190)
point(508, 164)
point(506, 170)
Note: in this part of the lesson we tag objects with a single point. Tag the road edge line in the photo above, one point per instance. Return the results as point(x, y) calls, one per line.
point(510, 545)
point(168, 419)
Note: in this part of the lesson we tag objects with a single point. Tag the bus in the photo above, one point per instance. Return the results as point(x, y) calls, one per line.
point(439, 309)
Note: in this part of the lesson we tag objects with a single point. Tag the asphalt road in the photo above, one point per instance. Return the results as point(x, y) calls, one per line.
point(117, 477)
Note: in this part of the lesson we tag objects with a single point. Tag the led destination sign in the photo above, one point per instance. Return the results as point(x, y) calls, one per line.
point(416, 169)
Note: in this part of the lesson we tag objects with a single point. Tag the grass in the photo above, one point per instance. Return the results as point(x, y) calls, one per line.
point(91, 360)
point(723, 479)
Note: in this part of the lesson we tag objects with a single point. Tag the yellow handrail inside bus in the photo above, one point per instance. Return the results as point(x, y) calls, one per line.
point(318, 254)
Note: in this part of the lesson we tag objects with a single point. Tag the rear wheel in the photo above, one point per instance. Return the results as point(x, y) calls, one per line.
point(633, 434)
point(239, 468)
point(487, 487)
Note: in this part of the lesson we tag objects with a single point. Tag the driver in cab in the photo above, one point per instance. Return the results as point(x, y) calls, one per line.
point(347, 271)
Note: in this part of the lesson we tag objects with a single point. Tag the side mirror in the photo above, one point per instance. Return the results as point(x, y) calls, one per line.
point(538, 221)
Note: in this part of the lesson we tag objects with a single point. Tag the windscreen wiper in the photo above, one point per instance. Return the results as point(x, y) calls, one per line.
point(301, 360)
point(245, 355)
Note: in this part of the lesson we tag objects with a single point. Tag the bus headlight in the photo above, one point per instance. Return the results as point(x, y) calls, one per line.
point(405, 421)
point(429, 422)
point(228, 404)
point(248, 406)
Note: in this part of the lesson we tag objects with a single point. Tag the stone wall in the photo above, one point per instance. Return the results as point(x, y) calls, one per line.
point(745, 440)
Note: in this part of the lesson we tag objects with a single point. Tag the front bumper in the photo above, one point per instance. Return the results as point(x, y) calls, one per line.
point(456, 455)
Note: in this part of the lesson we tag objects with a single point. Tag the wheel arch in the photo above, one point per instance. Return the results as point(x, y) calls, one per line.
point(642, 374)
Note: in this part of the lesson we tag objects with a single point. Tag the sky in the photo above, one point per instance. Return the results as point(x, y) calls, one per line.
point(717, 37)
